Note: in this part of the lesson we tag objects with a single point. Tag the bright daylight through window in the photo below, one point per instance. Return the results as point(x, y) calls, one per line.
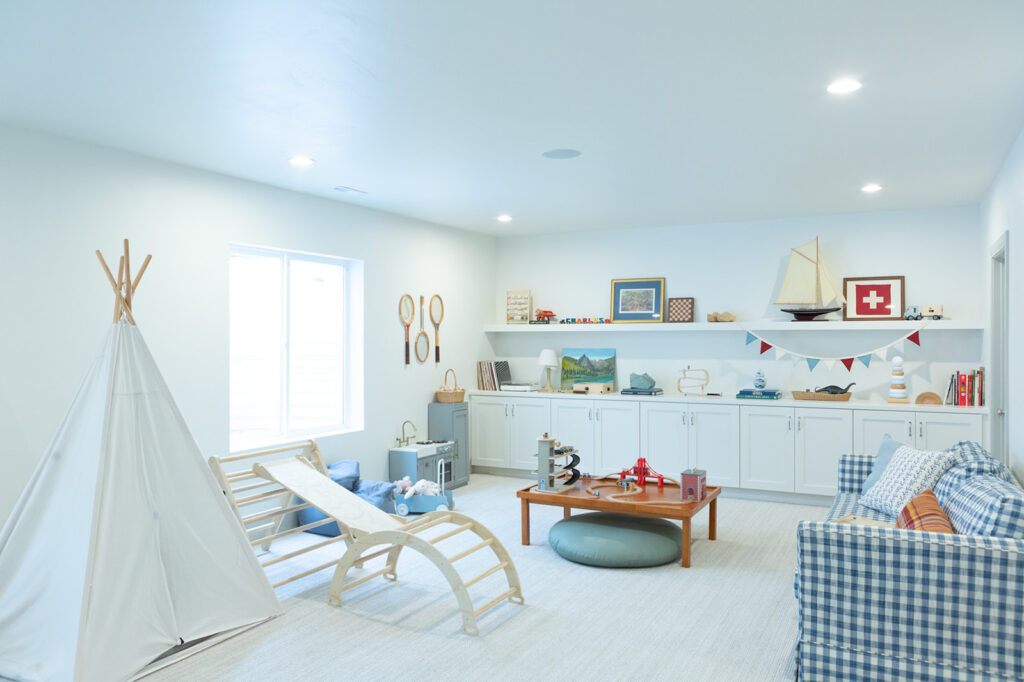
point(295, 344)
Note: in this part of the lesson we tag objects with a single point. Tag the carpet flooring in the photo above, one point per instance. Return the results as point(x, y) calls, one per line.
point(732, 616)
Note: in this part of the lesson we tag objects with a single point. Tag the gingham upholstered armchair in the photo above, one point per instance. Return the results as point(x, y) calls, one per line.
point(881, 603)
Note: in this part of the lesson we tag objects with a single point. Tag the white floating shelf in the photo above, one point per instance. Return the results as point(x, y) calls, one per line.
point(753, 325)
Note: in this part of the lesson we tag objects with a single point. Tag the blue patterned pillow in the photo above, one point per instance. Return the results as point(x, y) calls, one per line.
point(910, 473)
point(972, 460)
point(987, 505)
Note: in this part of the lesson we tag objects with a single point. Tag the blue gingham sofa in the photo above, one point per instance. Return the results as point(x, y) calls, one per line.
point(883, 603)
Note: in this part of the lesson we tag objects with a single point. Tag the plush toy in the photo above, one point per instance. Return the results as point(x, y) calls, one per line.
point(423, 487)
point(401, 487)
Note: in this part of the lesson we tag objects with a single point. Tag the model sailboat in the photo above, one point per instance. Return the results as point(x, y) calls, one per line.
point(808, 282)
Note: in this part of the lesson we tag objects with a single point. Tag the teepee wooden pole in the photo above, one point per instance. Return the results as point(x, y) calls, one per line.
point(138, 275)
point(127, 276)
point(113, 285)
point(120, 282)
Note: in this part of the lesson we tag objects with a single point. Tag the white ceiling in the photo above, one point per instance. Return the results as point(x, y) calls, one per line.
point(686, 112)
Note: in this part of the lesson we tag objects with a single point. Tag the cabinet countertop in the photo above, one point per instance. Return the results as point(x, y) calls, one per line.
point(852, 404)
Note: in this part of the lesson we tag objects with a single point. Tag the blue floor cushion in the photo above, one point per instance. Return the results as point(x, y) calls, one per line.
point(616, 540)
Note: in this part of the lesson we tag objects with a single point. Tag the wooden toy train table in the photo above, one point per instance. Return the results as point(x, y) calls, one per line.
point(661, 503)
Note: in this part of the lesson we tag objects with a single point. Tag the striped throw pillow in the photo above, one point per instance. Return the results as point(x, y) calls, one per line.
point(924, 513)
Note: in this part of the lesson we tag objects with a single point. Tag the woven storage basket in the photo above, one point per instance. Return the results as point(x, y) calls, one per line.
point(450, 395)
point(821, 395)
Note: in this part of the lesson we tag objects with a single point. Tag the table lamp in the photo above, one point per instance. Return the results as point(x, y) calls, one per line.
point(548, 359)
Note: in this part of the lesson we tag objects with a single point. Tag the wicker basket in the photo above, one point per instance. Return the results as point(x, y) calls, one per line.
point(450, 395)
point(821, 395)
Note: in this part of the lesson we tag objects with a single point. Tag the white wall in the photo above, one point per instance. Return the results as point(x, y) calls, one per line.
point(1003, 211)
point(737, 267)
point(61, 200)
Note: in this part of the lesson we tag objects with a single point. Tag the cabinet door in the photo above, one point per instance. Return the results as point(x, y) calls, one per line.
point(489, 432)
point(715, 442)
point(766, 448)
point(822, 437)
point(938, 431)
point(460, 430)
point(572, 423)
point(663, 437)
point(871, 426)
point(617, 435)
point(531, 419)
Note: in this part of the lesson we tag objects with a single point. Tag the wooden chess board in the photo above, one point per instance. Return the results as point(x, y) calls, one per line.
point(680, 310)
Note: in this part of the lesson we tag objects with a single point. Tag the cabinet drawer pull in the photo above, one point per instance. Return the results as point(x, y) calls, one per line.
point(513, 409)
point(590, 415)
point(799, 423)
point(910, 428)
point(789, 423)
point(691, 419)
point(920, 430)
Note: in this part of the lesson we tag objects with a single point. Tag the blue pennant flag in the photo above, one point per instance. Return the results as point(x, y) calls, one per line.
point(812, 363)
point(866, 359)
point(750, 338)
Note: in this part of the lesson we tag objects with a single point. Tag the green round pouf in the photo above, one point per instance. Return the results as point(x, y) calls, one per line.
point(616, 540)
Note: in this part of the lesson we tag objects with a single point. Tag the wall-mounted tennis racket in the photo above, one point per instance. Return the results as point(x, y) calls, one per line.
point(422, 349)
point(407, 311)
point(436, 315)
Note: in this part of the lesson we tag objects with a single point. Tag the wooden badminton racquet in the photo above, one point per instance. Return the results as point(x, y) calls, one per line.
point(406, 311)
point(436, 315)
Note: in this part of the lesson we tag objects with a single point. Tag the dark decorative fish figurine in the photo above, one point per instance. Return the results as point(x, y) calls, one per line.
point(835, 390)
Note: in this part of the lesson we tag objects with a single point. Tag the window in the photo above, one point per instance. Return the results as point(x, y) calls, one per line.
point(295, 345)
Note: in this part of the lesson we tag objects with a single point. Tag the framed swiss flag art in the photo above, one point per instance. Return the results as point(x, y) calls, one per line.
point(873, 298)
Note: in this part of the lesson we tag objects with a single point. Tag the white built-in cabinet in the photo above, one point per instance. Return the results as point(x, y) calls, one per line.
point(923, 430)
point(769, 446)
point(606, 433)
point(793, 449)
point(504, 431)
point(822, 437)
point(677, 436)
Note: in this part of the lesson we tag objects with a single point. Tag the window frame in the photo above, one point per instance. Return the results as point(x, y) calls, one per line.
point(351, 379)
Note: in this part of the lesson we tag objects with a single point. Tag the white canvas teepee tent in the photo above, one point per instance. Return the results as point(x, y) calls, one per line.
point(122, 546)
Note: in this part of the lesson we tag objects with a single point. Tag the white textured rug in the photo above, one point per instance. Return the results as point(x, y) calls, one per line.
point(732, 616)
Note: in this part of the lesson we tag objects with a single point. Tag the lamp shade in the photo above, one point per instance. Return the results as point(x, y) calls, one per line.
point(548, 358)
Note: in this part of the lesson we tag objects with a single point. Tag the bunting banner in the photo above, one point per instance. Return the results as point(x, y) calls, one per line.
point(847, 360)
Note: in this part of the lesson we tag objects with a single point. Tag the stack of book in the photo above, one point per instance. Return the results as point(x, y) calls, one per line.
point(486, 379)
point(759, 394)
point(966, 389)
point(642, 391)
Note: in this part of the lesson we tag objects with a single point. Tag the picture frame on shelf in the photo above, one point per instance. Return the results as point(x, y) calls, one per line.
point(874, 298)
point(680, 310)
point(638, 300)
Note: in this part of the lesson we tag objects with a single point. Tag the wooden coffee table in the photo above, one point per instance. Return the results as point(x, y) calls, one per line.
point(662, 503)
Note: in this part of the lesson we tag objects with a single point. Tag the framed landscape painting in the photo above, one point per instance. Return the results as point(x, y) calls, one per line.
point(873, 298)
point(638, 300)
point(583, 365)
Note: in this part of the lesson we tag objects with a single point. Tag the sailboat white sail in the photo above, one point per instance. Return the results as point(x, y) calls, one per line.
point(808, 282)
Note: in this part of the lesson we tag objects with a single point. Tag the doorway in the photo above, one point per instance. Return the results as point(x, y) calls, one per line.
point(998, 377)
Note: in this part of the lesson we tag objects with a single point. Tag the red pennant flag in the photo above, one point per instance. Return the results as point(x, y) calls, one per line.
point(915, 338)
point(765, 347)
point(848, 362)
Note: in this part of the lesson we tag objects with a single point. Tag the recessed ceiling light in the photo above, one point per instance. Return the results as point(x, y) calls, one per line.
point(561, 153)
point(871, 188)
point(301, 161)
point(844, 86)
point(504, 218)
